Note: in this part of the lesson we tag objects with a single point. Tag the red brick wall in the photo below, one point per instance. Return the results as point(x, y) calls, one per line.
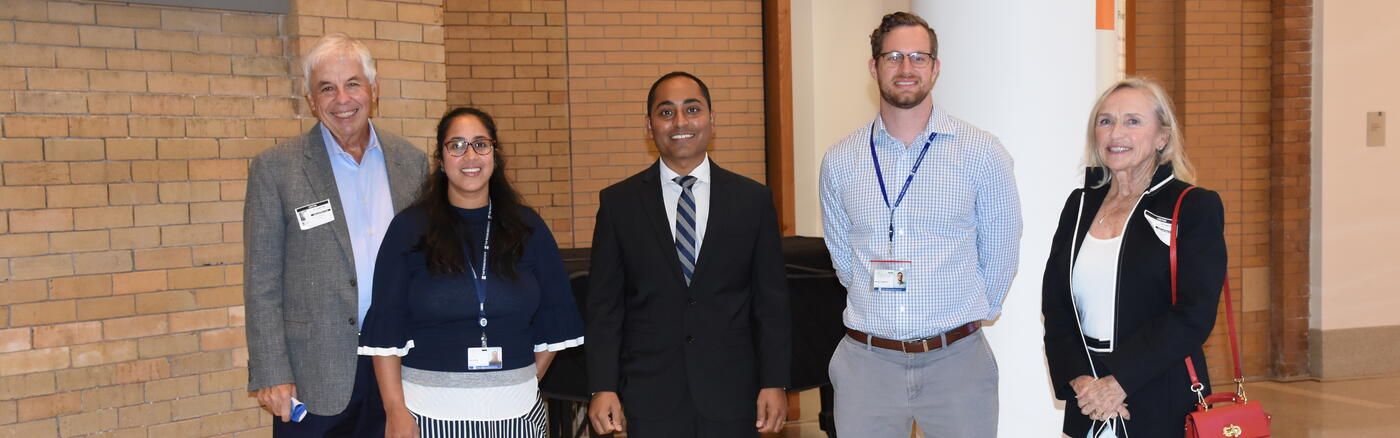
point(1290, 187)
point(570, 79)
point(1226, 112)
point(1158, 49)
point(1219, 61)
point(125, 134)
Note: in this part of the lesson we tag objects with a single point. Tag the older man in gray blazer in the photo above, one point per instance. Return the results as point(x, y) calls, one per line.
point(316, 209)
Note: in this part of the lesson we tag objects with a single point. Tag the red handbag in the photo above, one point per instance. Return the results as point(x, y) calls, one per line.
point(1219, 415)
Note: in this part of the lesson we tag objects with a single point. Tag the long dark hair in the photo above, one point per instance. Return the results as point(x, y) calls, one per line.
point(442, 243)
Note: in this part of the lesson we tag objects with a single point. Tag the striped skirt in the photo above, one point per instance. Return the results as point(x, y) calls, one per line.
point(531, 425)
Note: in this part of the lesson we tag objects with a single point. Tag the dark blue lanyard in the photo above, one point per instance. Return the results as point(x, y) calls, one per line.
point(480, 280)
point(880, 176)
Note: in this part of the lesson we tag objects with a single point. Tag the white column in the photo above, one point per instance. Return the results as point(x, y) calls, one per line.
point(1026, 71)
point(832, 91)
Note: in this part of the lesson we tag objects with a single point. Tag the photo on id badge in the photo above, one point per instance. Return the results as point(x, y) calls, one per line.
point(890, 275)
point(484, 358)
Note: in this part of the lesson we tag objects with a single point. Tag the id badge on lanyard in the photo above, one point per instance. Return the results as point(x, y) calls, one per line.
point(893, 275)
point(890, 275)
point(483, 357)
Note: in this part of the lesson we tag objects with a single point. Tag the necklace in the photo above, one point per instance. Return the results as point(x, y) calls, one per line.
point(1107, 212)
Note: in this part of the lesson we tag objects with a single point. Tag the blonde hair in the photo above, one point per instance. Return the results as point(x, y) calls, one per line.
point(1175, 150)
point(331, 44)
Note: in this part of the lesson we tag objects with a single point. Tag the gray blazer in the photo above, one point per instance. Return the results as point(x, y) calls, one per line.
point(299, 287)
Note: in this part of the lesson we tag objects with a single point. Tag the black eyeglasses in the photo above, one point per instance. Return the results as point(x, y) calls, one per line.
point(458, 146)
point(894, 59)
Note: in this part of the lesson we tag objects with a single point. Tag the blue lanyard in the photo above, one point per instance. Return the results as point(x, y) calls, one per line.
point(880, 176)
point(480, 280)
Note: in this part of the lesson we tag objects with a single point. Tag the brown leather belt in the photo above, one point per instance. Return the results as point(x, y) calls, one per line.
point(917, 346)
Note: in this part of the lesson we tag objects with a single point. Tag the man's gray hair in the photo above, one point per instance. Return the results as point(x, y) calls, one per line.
point(332, 44)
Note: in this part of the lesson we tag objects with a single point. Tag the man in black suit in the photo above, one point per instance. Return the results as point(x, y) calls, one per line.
point(688, 319)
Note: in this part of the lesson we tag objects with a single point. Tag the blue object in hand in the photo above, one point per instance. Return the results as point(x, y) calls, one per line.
point(298, 410)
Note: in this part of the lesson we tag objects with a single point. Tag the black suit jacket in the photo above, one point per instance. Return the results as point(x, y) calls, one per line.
point(1151, 336)
point(723, 337)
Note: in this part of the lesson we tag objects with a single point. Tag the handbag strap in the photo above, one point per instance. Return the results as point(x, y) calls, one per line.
point(1229, 306)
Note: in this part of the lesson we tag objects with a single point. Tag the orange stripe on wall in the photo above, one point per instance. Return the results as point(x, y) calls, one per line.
point(1103, 15)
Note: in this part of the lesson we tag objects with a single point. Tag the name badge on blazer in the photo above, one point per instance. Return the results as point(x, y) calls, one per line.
point(315, 214)
point(1161, 226)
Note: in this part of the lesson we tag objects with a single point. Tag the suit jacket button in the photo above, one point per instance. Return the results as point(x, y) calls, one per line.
point(352, 320)
point(354, 283)
point(689, 339)
point(690, 301)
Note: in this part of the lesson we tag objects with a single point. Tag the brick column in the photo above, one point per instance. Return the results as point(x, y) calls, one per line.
point(1290, 185)
point(1214, 58)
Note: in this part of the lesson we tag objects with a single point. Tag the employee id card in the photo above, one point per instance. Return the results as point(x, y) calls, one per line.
point(890, 275)
point(484, 358)
point(315, 214)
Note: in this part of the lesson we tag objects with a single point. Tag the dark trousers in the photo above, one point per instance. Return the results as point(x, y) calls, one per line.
point(362, 418)
point(687, 423)
point(695, 427)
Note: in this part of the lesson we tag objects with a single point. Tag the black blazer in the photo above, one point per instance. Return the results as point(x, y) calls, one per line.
point(1151, 336)
point(649, 335)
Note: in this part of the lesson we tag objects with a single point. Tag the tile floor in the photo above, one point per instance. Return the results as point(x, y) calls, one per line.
point(1305, 409)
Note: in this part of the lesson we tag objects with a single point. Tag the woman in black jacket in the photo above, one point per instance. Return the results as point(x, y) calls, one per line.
point(1114, 340)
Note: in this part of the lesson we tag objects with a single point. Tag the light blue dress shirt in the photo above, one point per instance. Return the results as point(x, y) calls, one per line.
point(368, 206)
point(960, 225)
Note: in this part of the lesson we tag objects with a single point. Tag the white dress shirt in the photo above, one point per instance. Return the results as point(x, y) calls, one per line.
point(671, 195)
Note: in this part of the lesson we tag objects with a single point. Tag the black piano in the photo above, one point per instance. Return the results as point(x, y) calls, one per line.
point(817, 302)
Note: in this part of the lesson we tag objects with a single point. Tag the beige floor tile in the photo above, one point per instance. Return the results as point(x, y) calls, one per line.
point(1363, 408)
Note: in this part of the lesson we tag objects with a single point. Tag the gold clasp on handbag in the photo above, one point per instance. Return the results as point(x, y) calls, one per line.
point(1232, 431)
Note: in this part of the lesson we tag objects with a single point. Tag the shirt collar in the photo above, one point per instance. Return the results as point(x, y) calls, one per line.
point(701, 172)
point(333, 146)
point(938, 121)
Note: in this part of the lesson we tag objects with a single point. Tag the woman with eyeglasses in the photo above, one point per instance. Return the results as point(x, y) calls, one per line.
point(471, 300)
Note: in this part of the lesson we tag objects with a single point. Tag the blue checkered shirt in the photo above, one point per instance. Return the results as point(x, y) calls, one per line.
point(960, 225)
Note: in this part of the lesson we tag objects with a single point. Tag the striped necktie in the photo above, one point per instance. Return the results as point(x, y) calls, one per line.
point(685, 226)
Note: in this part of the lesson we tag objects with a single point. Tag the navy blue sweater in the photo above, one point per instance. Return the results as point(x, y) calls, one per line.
point(438, 313)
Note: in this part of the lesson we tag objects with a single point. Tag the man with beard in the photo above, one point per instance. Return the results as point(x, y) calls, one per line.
point(920, 196)
point(688, 323)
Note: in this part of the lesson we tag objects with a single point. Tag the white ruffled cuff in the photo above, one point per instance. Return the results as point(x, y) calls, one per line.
point(385, 351)
point(539, 348)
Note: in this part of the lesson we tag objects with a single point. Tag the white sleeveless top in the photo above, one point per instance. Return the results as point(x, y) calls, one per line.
point(1094, 285)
